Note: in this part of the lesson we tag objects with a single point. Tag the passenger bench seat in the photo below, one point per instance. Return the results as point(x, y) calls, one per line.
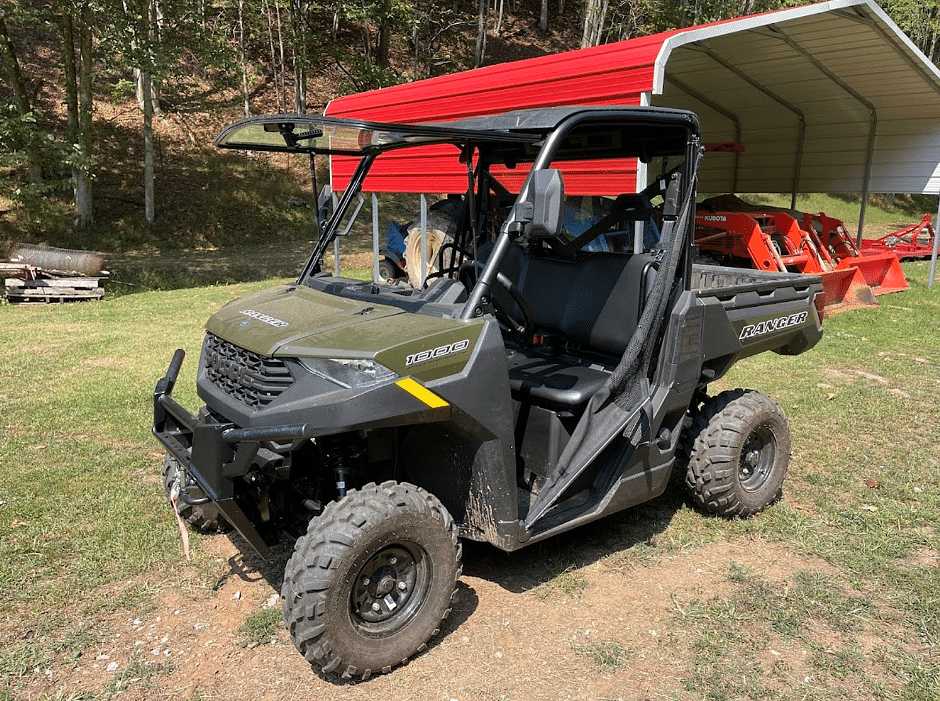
point(594, 302)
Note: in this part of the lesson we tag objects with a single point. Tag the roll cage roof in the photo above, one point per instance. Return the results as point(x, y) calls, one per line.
point(608, 132)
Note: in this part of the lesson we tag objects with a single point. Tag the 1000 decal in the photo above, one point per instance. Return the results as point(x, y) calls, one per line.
point(436, 353)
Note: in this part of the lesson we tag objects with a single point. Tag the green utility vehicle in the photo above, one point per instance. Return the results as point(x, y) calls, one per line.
point(527, 387)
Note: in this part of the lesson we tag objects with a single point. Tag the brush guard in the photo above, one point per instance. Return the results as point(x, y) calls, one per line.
point(212, 454)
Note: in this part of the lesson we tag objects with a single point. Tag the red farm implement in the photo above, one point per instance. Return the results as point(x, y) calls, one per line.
point(880, 268)
point(914, 241)
point(774, 241)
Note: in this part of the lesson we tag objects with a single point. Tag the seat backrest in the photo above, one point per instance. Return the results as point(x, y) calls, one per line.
point(594, 300)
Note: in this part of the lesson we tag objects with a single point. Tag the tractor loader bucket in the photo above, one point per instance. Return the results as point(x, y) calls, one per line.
point(881, 271)
point(844, 290)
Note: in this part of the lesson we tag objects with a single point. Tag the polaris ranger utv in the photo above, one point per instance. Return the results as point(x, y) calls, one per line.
point(528, 387)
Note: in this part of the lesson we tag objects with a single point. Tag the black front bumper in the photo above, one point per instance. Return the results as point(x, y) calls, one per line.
point(213, 454)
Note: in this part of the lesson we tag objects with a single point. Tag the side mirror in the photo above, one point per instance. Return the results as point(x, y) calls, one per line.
point(548, 199)
point(540, 213)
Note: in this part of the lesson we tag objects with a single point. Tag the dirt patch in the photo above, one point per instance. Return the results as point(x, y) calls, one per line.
point(509, 637)
point(850, 376)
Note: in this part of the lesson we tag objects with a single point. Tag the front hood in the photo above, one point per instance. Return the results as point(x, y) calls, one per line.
point(294, 321)
point(265, 321)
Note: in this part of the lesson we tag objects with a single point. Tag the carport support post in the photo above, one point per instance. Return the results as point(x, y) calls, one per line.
point(641, 182)
point(424, 241)
point(861, 216)
point(375, 238)
point(933, 255)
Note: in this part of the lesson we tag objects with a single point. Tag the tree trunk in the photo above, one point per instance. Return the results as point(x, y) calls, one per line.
point(22, 97)
point(241, 54)
point(299, 52)
point(543, 18)
point(146, 85)
point(300, 89)
point(599, 27)
point(71, 80)
point(148, 149)
point(587, 28)
point(156, 39)
point(383, 50)
point(280, 45)
point(277, 88)
point(84, 216)
point(483, 8)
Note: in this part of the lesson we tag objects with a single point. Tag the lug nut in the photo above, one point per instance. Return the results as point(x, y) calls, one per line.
point(393, 560)
point(376, 607)
point(402, 586)
point(366, 581)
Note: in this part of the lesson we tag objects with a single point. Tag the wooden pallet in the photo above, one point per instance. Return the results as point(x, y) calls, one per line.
point(53, 289)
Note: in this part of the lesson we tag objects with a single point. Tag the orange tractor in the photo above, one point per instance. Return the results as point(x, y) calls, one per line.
point(732, 231)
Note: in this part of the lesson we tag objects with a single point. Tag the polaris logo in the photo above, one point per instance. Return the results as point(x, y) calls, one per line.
point(437, 353)
point(765, 327)
point(265, 319)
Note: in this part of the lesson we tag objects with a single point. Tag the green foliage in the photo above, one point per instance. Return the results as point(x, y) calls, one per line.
point(920, 20)
point(21, 137)
point(364, 74)
point(191, 50)
point(608, 655)
point(259, 627)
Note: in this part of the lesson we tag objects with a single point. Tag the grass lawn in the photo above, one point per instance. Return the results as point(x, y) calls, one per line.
point(84, 529)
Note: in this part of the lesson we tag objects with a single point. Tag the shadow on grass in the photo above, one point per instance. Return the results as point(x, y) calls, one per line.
point(543, 562)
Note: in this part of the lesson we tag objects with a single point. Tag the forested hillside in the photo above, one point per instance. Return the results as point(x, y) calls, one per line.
point(108, 107)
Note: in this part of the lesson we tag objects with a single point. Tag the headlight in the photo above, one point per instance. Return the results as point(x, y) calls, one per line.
point(351, 373)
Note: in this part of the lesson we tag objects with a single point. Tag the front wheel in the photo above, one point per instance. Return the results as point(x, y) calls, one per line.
point(372, 579)
point(740, 451)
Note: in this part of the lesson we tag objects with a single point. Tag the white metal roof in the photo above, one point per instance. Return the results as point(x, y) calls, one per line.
point(831, 97)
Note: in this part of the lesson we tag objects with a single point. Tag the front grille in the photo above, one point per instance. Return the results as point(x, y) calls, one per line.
point(252, 379)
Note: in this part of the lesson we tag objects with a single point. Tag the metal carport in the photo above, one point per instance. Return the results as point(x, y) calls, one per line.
point(831, 97)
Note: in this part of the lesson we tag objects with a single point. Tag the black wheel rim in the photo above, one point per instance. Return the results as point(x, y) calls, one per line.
point(757, 458)
point(390, 588)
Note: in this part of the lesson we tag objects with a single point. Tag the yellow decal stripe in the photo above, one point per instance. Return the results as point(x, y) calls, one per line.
point(420, 392)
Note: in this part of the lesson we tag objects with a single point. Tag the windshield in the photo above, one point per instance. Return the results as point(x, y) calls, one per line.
point(309, 134)
point(302, 133)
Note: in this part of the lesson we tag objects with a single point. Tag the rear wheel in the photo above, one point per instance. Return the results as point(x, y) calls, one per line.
point(740, 449)
point(205, 518)
point(388, 270)
point(371, 580)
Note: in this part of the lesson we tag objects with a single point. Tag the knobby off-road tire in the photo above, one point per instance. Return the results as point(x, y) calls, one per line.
point(372, 579)
point(740, 449)
point(204, 518)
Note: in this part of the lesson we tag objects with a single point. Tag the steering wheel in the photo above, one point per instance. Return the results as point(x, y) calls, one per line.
point(522, 326)
point(518, 322)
